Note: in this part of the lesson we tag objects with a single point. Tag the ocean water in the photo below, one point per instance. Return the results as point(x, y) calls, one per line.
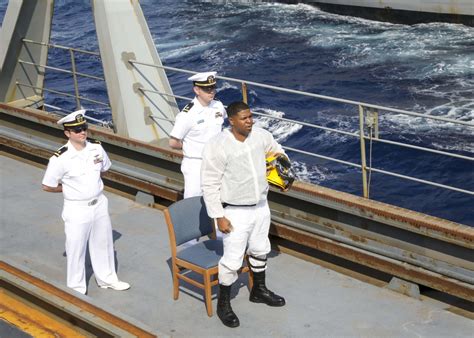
point(425, 68)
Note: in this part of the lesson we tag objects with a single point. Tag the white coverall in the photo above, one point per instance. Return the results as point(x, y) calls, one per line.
point(195, 127)
point(85, 212)
point(234, 173)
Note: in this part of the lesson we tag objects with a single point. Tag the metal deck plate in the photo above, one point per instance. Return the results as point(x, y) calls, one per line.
point(320, 302)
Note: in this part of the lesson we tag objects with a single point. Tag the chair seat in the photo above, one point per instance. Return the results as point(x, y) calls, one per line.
point(187, 219)
point(205, 254)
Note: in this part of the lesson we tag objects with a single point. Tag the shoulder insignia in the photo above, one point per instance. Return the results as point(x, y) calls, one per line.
point(60, 151)
point(91, 140)
point(188, 107)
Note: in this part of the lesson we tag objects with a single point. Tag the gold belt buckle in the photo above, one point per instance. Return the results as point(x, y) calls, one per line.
point(93, 202)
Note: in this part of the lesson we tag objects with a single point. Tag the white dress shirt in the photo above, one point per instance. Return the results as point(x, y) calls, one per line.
point(78, 171)
point(234, 172)
point(196, 126)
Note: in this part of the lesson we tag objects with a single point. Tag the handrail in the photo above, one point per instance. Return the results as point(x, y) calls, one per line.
point(144, 90)
point(61, 70)
point(62, 93)
point(422, 181)
point(352, 134)
point(106, 124)
point(325, 97)
point(61, 47)
point(366, 112)
point(74, 72)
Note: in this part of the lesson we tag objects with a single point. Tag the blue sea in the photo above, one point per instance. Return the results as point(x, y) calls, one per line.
point(425, 68)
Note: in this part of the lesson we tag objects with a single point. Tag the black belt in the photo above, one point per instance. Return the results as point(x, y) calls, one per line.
point(225, 205)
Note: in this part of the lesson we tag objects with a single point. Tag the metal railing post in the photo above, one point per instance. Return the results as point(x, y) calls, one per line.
point(362, 152)
point(372, 121)
point(74, 76)
point(244, 92)
point(376, 123)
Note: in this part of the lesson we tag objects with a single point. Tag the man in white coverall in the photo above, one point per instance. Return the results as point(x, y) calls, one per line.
point(200, 120)
point(234, 184)
point(75, 170)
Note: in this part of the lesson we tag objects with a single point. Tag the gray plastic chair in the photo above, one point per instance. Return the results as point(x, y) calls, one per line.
point(187, 219)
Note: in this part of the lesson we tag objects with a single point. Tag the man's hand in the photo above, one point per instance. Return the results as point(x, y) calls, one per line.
point(175, 143)
point(224, 225)
point(59, 188)
point(283, 160)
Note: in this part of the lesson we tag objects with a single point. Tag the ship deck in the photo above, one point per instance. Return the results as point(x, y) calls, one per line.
point(320, 301)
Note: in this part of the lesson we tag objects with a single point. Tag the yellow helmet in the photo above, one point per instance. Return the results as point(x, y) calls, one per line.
point(279, 171)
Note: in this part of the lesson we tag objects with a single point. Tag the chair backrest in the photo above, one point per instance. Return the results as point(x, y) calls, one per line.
point(190, 220)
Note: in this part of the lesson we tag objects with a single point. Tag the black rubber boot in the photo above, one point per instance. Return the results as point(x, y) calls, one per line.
point(260, 293)
point(224, 310)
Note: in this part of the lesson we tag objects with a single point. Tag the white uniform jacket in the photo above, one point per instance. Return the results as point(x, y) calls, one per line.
point(196, 124)
point(234, 172)
point(78, 171)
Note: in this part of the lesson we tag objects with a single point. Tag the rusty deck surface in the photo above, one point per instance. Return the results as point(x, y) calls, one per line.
point(320, 301)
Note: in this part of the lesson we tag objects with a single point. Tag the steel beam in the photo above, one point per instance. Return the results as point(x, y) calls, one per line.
point(24, 19)
point(123, 35)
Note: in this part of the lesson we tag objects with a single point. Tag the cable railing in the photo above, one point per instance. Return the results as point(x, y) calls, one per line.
point(73, 72)
point(299, 92)
point(63, 94)
point(62, 70)
point(351, 134)
point(368, 115)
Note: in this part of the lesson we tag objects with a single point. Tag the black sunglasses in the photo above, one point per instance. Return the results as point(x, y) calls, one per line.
point(208, 89)
point(78, 129)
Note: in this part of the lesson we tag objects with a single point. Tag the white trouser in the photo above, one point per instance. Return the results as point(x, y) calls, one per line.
point(82, 223)
point(191, 169)
point(250, 230)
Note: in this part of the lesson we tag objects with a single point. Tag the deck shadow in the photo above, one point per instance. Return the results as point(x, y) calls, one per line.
point(197, 293)
point(89, 271)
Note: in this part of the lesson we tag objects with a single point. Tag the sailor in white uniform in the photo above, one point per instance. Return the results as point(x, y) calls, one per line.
point(198, 122)
point(75, 170)
point(234, 184)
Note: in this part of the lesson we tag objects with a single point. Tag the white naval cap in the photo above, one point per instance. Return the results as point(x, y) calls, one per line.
point(206, 79)
point(74, 119)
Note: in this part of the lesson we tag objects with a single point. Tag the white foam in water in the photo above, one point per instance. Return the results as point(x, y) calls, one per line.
point(455, 137)
point(420, 53)
point(365, 42)
point(459, 109)
point(281, 130)
point(314, 174)
point(187, 49)
point(223, 85)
